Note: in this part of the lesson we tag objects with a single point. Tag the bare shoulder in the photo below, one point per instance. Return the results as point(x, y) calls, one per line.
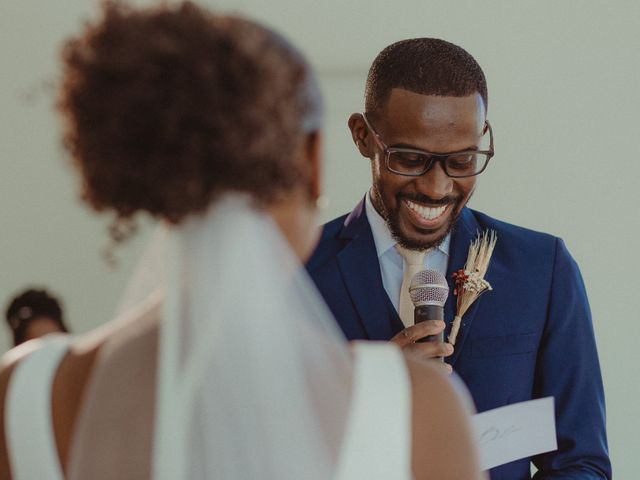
point(428, 384)
point(129, 327)
point(442, 445)
point(131, 348)
point(125, 343)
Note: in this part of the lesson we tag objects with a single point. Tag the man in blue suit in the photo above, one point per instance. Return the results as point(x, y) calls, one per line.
point(427, 137)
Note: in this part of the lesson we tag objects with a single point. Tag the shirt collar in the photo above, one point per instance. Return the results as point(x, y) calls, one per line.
point(382, 235)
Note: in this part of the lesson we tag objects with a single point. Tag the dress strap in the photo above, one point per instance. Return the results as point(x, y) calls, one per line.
point(377, 441)
point(29, 429)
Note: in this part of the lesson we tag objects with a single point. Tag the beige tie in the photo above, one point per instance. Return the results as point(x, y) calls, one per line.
point(413, 263)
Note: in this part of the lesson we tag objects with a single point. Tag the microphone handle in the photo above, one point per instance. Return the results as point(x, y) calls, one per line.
point(429, 312)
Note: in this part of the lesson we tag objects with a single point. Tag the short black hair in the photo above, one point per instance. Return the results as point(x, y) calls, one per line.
point(31, 304)
point(428, 66)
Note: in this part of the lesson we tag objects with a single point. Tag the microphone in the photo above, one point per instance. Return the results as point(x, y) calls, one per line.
point(429, 291)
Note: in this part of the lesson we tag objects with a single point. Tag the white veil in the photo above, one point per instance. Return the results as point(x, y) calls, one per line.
point(253, 373)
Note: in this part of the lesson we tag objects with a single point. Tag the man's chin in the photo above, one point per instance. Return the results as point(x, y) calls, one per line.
point(421, 242)
point(421, 239)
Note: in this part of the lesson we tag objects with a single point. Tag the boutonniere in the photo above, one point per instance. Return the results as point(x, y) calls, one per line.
point(469, 281)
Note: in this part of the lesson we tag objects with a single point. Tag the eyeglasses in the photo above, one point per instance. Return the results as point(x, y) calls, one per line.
point(411, 162)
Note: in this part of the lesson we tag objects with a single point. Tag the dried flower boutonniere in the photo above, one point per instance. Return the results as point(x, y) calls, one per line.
point(469, 281)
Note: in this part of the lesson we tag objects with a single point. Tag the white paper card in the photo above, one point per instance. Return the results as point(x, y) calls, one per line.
point(515, 431)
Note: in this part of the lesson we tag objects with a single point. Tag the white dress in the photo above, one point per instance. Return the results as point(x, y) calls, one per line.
point(254, 379)
point(29, 430)
point(376, 445)
point(377, 442)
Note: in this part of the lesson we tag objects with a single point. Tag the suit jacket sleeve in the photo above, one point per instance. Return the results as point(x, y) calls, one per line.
point(568, 369)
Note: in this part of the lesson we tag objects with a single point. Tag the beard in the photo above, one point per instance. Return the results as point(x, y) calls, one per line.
point(392, 218)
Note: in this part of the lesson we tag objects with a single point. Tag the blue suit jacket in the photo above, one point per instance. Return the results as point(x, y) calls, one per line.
point(530, 337)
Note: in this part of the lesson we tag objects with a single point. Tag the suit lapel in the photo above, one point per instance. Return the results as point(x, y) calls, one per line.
point(465, 231)
point(358, 263)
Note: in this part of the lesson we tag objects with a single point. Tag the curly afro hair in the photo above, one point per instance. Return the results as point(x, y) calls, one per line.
point(427, 66)
point(166, 108)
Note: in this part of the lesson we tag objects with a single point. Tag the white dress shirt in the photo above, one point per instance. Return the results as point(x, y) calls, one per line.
point(391, 261)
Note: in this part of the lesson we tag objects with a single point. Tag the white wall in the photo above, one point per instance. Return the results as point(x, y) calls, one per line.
point(564, 102)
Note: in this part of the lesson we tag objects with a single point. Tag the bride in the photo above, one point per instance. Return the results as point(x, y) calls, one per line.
point(226, 365)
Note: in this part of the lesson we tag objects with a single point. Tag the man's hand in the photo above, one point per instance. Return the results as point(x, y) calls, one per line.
point(407, 338)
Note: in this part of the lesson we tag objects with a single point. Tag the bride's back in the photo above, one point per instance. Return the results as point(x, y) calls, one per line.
point(114, 423)
point(113, 437)
point(211, 124)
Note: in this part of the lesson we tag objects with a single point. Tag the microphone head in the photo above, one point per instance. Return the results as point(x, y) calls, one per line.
point(428, 287)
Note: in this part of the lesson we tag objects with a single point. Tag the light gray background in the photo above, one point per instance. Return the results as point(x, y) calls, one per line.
point(564, 101)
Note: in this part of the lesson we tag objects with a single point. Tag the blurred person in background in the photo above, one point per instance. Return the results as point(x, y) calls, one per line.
point(34, 313)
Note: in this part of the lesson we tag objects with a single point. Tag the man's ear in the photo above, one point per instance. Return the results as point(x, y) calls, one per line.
point(314, 163)
point(360, 134)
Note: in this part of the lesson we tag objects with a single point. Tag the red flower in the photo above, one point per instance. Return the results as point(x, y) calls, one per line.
point(460, 278)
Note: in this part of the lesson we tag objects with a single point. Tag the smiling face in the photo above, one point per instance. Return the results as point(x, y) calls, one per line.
point(420, 211)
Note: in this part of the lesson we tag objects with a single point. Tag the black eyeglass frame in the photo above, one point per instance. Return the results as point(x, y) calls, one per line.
point(433, 157)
